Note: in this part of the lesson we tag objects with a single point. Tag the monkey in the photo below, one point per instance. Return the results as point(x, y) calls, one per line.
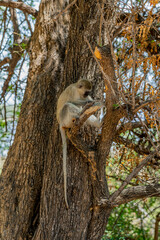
point(69, 107)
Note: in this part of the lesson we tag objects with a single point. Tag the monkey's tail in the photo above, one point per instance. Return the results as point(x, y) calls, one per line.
point(64, 143)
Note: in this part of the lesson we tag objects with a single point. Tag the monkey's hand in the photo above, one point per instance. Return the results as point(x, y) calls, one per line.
point(94, 105)
point(81, 102)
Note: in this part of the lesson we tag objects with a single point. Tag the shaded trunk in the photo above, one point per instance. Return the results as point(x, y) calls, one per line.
point(32, 195)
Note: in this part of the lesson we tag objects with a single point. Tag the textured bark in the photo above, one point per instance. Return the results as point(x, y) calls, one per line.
point(137, 192)
point(32, 195)
point(22, 176)
point(76, 223)
point(32, 204)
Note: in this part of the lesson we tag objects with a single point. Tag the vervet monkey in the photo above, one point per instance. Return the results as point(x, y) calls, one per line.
point(69, 107)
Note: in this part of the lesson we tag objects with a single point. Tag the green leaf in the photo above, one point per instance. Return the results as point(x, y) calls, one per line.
point(23, 45)
point(116, 105)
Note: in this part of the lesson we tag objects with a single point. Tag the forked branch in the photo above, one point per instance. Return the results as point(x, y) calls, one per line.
point(20, 5)
point(88, 110)
point(137, 192)
point(132, 175)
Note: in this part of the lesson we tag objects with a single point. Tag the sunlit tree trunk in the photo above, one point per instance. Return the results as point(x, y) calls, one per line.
point(32, 204)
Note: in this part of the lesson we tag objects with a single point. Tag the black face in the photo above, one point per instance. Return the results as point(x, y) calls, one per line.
point(86, 93)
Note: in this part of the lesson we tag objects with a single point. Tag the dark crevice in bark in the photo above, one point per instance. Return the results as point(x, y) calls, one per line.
point(35, 218)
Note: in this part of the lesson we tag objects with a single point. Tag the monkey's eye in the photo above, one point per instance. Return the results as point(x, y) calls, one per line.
point(80, 86)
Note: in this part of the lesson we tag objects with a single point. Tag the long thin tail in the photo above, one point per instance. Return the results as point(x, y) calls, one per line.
point(64, 143)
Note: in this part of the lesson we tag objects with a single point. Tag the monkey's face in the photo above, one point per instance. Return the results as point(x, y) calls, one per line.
point(84, 88)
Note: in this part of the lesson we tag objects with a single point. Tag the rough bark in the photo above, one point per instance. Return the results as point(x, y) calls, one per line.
point(137, 192)
point(21, 180)
point(78, 221)
point(32, 195)
point(32, 203)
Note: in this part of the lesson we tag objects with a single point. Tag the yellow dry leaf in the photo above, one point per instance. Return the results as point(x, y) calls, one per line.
point(97, 53)
point(154, 2)
point(140, 32)
point(106, 88)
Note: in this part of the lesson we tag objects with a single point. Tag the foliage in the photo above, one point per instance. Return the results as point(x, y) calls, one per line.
point(134, 220)
point(135, 49)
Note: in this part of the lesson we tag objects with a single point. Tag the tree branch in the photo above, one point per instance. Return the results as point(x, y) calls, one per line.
point(128, 126)
point(20, 5)
point(28, 22)
point(120, 179)
point(16, 31)
point(132, 175)
point(124, 18)
point(4, 61)
point(142, 105)
point(128, 143)
point(16, 51)
point(87, 111)
point(138, 192)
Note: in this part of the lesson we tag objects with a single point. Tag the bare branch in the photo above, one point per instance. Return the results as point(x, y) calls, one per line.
point(28, 22)
point(124, 17)
point(128, 126)
point(4, 20)
point(120, 179)
point(20, 5)
point(138, 192)
point(132, 175)
point(152, 211)
point(115, 61)
point(146, 131)
point(134, 61)
point(16, 51)
point(4, 61)
point(128, 143)
point(5, 115)
point(143, 104)
point(12, 66)
point(16, 33)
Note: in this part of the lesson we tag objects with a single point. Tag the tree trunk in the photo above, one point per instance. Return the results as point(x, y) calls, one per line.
point(32, 195)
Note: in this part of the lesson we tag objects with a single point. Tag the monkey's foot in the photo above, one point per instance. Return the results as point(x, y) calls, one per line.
point(74, 119)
